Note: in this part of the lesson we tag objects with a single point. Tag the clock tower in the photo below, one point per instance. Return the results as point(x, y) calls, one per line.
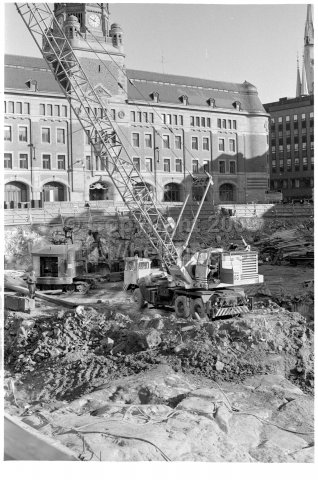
point(97, 44)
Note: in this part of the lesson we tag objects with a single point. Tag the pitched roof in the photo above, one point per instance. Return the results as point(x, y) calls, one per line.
point(170, 88)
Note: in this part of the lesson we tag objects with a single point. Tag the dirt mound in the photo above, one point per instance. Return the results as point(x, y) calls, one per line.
point(69, 354)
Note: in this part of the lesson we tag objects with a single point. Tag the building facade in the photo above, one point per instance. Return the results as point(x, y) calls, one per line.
point(174, 128)
point(291, 154)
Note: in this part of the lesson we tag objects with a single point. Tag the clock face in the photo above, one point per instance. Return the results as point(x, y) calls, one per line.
point(94, 20)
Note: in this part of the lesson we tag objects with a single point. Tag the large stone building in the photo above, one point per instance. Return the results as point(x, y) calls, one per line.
point(174, 127)
point(292, 130)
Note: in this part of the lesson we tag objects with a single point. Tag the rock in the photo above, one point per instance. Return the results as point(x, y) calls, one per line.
point(275, 384)
point(198, 406)
point(219, 366)
point(156, 323)
point(222, 417)
point(211, 394)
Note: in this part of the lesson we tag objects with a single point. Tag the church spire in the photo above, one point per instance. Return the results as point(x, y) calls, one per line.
point(298, 84)
point(304, 87)
point(309, 28)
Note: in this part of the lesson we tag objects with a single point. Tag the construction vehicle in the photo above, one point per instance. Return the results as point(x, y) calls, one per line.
point(188, 291)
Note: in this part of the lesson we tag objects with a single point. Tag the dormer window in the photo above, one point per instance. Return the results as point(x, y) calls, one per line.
point(155, 96)
point(184, 100)
point(211, 102)
point(32, 85)
point(237, 105)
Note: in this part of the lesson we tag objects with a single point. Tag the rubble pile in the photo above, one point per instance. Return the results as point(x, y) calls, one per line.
point(73, 352)
point(288, 244)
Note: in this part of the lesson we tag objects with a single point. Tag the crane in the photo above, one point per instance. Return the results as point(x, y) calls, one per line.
point(189, 287)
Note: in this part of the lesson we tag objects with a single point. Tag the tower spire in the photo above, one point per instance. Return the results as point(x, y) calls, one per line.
point(298, 84)
point(309, 28)
point(304, 86)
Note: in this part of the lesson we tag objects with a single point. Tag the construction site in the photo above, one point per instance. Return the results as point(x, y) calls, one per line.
point(141, 331)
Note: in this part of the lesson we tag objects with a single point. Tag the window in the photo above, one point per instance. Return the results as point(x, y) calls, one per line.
point(232, 146)
point(148, 140)
point(61, 162)
point(303, 116)
point(180, 119)
point(311, 182)
point(312, 147)
point(42, 109)
point(229, 124)
point(297, 183)
point(87, 137)
point(295, 118)
point(145, 117)
point(177, 142)
point(7, 133)
point(285, 184)
point(135, 139)
point(88, 162)
point(23, 134)
point(169, 118)
point(197, 121)
point(60, 135)
point(206, 143)
point(273, 149)
point(311, 114)
point(178, 165)
point(148, 164)
point(195, 143)
point(166, 164)
point(234, 124)
point(57, 110)
point(222, 166)
point(46, 162)
point(46, 135)
point(192, 121)
point(166, 141)
point(281, 165)
point(208, 122)
point(23, 160)
point(296, 147)
point(132, 116)
point(296, 162)
point(219, 123)
point(202, 122)
point(175, 119)
point(224, 123)
point(221, 145)
point(18, 107)
point(206, 165)
point(280, 119)
point(288, 163)
point(136, 162)
point(287, 118)
point(49, 109)
point(151, 117)
point(64, 111)
point(8, 160)
point(26, 108)
point(195, 166)
point(163, 117)
point(304, 145)
point(232, 167)
point(305, 163)
point(11, 107)
point(274, 166)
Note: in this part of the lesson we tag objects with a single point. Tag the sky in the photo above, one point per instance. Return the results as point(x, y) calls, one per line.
point(230, 42)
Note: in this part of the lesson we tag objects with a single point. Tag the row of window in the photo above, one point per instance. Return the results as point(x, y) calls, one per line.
point(17, 107)
point(227, 123)
point(174, 119)
point(166, 143)
point(293, 183)
point(295, 133)
point(50, 110)
point(288, 166)
point(295, 117)
point(304, 146)
point(24, 161)
point(145, 117)
point(23, 134)
point(200, 122)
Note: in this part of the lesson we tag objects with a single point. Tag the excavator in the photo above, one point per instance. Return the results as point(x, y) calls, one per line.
point(206, 283)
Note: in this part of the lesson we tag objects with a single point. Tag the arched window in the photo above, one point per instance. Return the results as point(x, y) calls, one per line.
point(143, 191)
point(16, 192)
point(54, 192)
point(227, 193)
point(172, 192)
point(100, 191)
